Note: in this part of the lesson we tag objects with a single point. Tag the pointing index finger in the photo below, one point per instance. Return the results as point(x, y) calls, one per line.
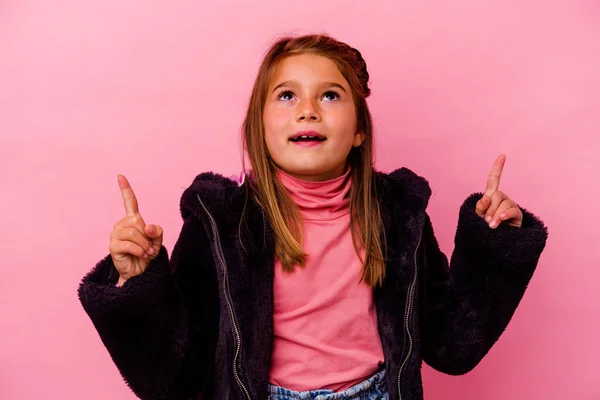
point(493, 180)
point(131, 204)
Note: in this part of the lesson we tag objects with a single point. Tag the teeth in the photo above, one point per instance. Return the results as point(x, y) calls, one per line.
point(304, 137)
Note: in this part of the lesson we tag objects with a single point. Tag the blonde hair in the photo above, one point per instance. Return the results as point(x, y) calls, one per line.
point(271, 195)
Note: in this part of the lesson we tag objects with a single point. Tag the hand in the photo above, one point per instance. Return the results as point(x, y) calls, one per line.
point(133, 244)
point(495, 206)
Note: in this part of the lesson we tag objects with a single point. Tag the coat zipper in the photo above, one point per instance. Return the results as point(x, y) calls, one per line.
point(229, 301)
point(407, 313)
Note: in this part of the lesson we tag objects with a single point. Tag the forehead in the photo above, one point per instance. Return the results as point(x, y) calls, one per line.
point(307, 69)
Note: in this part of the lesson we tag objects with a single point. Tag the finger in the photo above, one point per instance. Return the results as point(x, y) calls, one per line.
point(131, 221)
point(122, 247)
point(155, 233)
point(496, 199)
point(502, 208)
point(493, 180)
point(511, 213)
point(133, 235)
point(482, 205)
point(131, 204)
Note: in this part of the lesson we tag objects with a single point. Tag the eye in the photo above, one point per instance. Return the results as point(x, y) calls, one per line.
point(331, 95)
point(285, 95)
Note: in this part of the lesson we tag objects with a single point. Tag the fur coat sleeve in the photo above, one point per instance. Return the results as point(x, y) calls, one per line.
point(162, 350)
point(466, 304)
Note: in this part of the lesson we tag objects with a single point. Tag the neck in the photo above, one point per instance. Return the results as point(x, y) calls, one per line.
point(324, 176)
point(319, 200)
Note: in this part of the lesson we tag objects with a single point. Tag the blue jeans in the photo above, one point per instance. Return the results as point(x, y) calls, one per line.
point(370, 389)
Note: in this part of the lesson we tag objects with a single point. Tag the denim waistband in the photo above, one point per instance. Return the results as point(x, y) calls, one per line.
point(373, 388)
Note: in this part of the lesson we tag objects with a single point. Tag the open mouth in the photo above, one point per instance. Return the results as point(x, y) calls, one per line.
point(307, 138)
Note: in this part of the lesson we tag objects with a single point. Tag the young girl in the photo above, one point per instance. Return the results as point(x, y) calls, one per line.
point(315, 276)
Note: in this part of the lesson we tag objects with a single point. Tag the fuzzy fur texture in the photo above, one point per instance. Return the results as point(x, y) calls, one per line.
point(169, 330)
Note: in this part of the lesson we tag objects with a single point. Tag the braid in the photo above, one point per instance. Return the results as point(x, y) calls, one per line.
point(363, 75)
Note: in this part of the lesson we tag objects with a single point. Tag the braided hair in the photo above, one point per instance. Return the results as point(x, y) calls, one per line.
point(363, 74)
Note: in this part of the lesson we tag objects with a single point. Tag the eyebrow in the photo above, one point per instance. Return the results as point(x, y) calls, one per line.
point(328, 84)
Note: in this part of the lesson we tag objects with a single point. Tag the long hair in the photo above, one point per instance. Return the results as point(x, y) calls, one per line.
point(272, 196)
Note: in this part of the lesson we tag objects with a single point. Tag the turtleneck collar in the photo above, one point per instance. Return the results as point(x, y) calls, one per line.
point(322, 200)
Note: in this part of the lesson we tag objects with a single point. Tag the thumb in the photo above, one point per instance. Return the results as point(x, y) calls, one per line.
point(155, 233)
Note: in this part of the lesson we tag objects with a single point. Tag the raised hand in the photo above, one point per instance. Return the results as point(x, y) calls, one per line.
point(133, 244)
point(495, 206)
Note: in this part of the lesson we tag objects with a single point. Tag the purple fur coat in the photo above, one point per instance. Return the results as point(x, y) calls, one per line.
point(200, 324)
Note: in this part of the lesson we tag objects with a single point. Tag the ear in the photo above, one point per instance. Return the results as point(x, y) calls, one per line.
point(359, 138)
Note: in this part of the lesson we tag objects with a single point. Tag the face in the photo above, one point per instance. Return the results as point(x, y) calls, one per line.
point(310, 118)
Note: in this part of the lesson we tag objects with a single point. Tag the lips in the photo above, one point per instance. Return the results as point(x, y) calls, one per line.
point(307, 136)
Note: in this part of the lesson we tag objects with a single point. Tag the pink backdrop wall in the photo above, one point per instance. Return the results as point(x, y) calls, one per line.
point(157, 90)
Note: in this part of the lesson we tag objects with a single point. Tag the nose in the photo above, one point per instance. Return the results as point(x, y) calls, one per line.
point(308, 111)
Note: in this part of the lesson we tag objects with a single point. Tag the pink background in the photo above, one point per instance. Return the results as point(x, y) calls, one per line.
point(157, 91)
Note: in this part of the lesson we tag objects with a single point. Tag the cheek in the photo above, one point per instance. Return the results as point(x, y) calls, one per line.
point(342, 113)
point(345, 121)
point(274, 124)
point(276, 119)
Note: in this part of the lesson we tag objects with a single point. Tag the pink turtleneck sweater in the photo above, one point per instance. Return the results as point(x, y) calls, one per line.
point(325, 324)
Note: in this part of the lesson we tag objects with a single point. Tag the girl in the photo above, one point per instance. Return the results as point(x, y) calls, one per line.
point(315, 276)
